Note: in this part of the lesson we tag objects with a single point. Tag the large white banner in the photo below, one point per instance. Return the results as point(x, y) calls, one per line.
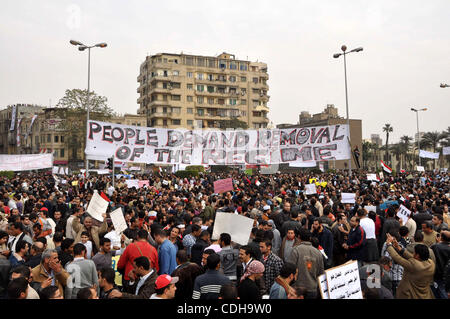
point(446, 150)
point(213, 147)
point(25, 162)
point(13, 117)
point(426, 154)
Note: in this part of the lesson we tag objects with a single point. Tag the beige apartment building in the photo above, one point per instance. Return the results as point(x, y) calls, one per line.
point(193, 91)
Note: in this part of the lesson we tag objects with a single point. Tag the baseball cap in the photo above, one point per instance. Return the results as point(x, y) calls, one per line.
point(267, 207)
point(165, 280)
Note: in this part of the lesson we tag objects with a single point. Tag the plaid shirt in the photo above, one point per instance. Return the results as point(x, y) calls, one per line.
point(396, 271)
point(272, 267)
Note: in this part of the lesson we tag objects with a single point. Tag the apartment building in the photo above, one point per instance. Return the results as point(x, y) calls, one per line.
point(192, 91)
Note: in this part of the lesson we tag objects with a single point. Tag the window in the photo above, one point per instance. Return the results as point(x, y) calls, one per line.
point(201, 61)
point(176, 110)
point(199, 76)
point(55, 153)
point(255, 91)
point(221, 89)
point(243, 67)
point(233, 65)
point(222, 64)
point(199, 99)
point(255, 80)
point(221, 101)
point(189, 74)
point(176, 85)
point(210, 101)
point(200, 112)
point(243, 91)
point(165, 110)
point(176, 122)
point(210, 77)
point(243, 113)
point(255, 103)
point(189, 86)
point(165, 122)
point(190, 110)
point(232, 78)
point(164, 97)
point(49, 138)
point(176, 73)
point(176, 97)
point(153, 109)
point(243, 79)
point(189, 60)
point(189, 98)
point(243, 102)
point(165, 60)
point(190, 122)
point(165, 73)
point(211, 63)
point(200, 88)
point(56, 139)
point(222, 78)
point(164, 84)
point(232, 101)
point(210, 89)
point(61, 152)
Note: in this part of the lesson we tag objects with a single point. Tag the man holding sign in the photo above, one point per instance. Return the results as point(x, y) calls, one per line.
point(94, 231)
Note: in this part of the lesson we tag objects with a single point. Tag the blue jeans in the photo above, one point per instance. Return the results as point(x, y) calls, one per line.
point(438, 288)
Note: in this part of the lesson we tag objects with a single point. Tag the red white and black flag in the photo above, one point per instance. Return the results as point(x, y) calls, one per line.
point(385, 167)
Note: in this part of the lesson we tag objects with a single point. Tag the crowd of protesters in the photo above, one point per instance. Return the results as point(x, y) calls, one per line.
point(51, 248)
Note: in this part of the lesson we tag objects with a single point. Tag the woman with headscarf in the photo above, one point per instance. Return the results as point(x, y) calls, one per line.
point(247, 289)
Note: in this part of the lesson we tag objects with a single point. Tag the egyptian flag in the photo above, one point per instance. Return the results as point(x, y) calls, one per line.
point(386, 168)
point(103, 195)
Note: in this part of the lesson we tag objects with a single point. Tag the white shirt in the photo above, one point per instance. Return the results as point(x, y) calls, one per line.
point(369, 227)
point(154, 296)
point(88, 246)
point(142, 280)
point(115, 241)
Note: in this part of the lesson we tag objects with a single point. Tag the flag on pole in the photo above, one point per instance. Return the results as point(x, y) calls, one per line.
point(103, 195)
point(386, 168)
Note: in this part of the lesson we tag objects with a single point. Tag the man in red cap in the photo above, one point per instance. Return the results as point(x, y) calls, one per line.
point(165, 287)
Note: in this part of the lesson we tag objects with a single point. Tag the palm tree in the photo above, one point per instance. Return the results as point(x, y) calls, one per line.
point(366, 153)
point(432, 139)
point(406, 145)
point(388, 129)
point(397, 150)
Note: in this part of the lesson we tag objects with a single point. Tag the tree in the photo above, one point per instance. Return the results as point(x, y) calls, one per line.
point(366, 146)
point(72, 109)
point(388, 129)
point(432, 139)
point(234, 123)
point(406, 145)
point(397, 150)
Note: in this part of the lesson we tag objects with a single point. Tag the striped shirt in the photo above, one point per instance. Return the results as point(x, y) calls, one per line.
point(208, 285)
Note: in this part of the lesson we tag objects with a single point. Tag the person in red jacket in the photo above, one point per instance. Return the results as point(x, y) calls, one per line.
point(139, 247)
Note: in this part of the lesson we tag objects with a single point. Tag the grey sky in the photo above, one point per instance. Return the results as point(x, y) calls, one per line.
point(406, 52)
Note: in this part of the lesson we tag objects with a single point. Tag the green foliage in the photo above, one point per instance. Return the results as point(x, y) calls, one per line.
point(186, 174)
point(233, 123)
point(197, 168)
point(7, 174)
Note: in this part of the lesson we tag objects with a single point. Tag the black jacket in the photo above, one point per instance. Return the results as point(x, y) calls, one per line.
point(356, 244)
point(197, 251)
point(34, 261)
point(442, 254)
point(248, 290)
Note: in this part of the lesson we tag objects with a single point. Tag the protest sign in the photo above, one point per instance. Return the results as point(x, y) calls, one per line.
point(118, 278)
point(323, 286)
point(348, 198)
point(223, 185)
point(97, 207)
point(372, 177)
point(388, 203)
point(404, 214)
point(303, 164)
point(310, 189)
point(426, 154)
point(249, 171)
point(239, 227)
point(446, 150)
point(132, 183)
point(371, 208)
point(74, 183)
point(343, 281)
point(118, 221)
point(60, 170)
point(381, 175)
point(420, 169)
point(214, 147)
point(144, 183)
point(25, 162)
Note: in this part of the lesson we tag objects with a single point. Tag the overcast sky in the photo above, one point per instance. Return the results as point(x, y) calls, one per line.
point(406, 52)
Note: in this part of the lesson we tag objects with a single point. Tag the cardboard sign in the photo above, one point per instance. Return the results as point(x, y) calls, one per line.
point(372, 177)
point(223, 185)
point(118, 221)
point(404, 214)
point(348, 198)
point(420, 169)
point(144, 183)
point(239, 227)
point(97, 207)
point(323, 286)
point(75, 183)
point(343, 281)
point(310, 189)
point(371, 208)
point(132, 183)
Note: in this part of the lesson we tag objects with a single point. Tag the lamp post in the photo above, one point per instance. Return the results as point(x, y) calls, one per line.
point(337, 55)
point(82, 47)
point(418, 133)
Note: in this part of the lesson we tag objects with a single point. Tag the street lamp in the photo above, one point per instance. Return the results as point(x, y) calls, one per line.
point(443, 85)
point(418, 133)
point(82, 47)
point(337, 55)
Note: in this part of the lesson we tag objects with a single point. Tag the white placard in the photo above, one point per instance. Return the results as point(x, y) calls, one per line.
point(343, 281)
point(426, 154)
point(239, 227)
point(323, 286)
point(446, 150)
point(371, 208)
point(25, 162)
point(118, 221)
point(303, 164)
point(310, 189)
point(381, 175)
point(348, 198)
point(404, 214)
point(97, 207)
point(372, 177)
point(132, 183)
point(420, 169)
point(60, 170)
